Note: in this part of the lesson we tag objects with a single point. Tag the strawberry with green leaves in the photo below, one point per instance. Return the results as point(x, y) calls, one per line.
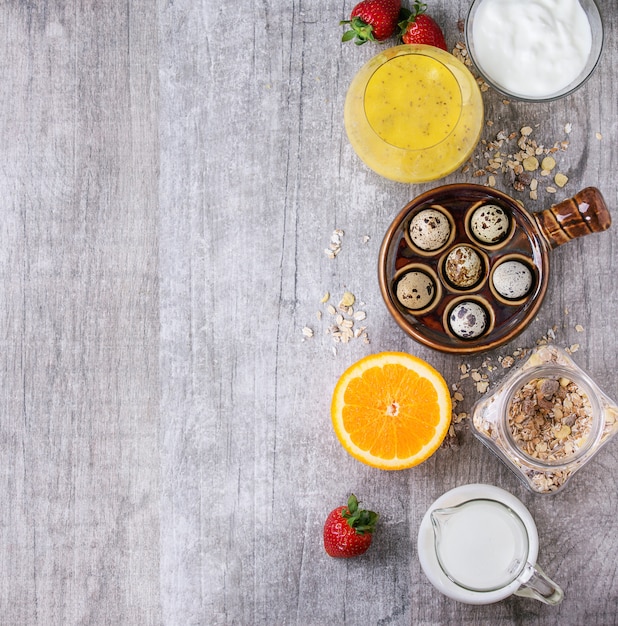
point(419, 28)
point(372, 20)
point(348, 530)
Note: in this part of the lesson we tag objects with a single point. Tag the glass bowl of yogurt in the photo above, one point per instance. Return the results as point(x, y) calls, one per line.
point(535, 50)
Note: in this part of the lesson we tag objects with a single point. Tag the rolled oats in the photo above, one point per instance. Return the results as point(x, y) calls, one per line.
point(341, 323)
point(528, 156)
point(334, 247)
point(541, 434)
point(550, 419)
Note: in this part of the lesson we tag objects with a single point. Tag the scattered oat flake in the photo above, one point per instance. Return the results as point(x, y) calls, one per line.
point(599, 136)
point(525, 131)
point(482, 386)
point(551, 190)
point(568, 127)
point(325, 298)
point(347, 299)
point(548, 164)
point(561, 180)
point(331, 309)
point(579, 328)
point(573, 348)
point(334, 247)
point(307, 332)
point(507, 362)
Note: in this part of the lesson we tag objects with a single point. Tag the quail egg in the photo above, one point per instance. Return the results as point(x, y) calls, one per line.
point(490, 223)
point(512, 279)
point(430, 229)
point(415, 290)
point(468, 320)
point(463, 266)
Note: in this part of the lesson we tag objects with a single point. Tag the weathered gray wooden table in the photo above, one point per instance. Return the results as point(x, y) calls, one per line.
point(172, 173)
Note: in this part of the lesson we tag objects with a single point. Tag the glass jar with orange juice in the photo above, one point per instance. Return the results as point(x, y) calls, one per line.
point(413, 113)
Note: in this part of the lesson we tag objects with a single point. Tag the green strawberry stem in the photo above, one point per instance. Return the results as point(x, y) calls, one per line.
point(359, 29)
point(407, 16)
point(362, 521)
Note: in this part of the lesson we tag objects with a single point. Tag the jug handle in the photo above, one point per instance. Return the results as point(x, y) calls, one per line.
point(539, 585)
point(586, 212)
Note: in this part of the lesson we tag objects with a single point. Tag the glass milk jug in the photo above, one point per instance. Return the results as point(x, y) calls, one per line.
point(478, 544)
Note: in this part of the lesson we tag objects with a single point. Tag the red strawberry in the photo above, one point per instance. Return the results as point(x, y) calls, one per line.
point(348, 530)
point(372, 20)
point(419, 28)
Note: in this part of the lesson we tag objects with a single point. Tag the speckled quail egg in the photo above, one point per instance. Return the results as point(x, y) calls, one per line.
point(490, 223)
point(415, 290)
point(463, 266)
point(512, 279)
point(430, 229)
point(468, 320)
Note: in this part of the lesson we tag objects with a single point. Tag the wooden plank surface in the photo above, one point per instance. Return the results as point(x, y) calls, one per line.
point(172, 174)
point(80, 419)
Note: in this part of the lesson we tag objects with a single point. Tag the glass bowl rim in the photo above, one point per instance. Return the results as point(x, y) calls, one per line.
point(577, 83)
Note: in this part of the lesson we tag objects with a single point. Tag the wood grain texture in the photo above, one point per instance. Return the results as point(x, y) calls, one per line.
point(170, 180)
point(80, 325)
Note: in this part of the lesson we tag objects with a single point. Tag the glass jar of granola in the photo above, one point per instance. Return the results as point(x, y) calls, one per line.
point(546, 420)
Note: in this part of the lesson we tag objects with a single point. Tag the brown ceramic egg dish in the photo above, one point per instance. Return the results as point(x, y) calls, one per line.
point(505, 319)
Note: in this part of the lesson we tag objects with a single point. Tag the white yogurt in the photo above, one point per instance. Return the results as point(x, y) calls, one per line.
point(531, 48)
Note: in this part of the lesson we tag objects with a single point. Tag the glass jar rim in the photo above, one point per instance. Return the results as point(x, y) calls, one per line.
point(552, 370)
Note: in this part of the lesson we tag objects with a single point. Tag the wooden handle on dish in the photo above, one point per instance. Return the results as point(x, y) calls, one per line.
point(586, 212)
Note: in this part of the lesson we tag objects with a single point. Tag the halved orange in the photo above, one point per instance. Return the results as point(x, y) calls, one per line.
point(391, 410)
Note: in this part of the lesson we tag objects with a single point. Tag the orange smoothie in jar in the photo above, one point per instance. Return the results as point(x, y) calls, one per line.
point(413, 113)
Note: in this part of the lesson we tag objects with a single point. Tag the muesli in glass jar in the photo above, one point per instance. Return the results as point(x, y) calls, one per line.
point(546, 420)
